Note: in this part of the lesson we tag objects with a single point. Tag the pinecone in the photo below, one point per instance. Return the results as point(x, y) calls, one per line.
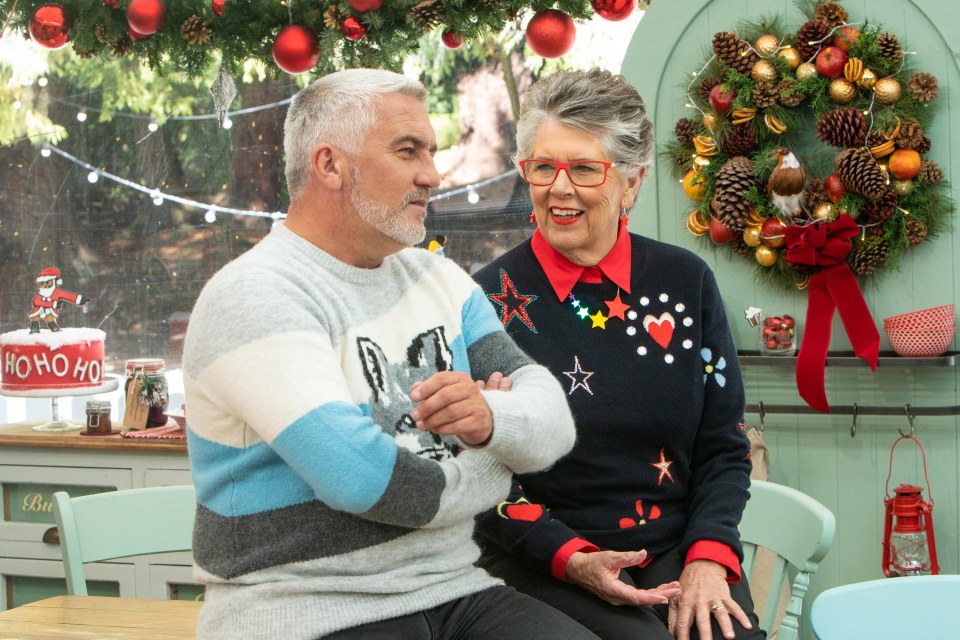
point(874, 139)
point(85, 54)
point(910, 135)
point(790, 95)
point(923, 86)
point(930, 172)
point(815, 193)
point(685, 130)
point(331, 17)
point(924, 147)
point(831, 14)
point(810, 39)
point(734, 179)
point(706, 85)
point(195, 30)
point(121, 46)
point(881, 209)
point(890, 47)
point(867, 260)
point(741, 141)
point(916, 232)
point(765, 94)
point(859, 173)
point(734, 51)
point(843, 127)
point(427, 14)
point(102, 33)
point(741, 248)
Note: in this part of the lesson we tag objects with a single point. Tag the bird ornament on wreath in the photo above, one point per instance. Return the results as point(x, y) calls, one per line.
point(818, 128)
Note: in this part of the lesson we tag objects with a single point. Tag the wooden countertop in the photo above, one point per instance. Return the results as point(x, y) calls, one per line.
point(23, 435)
point(86, 617)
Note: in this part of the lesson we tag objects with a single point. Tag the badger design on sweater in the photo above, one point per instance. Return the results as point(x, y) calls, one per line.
point(390, 384)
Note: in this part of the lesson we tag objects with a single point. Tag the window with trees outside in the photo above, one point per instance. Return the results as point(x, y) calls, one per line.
point(138, 189)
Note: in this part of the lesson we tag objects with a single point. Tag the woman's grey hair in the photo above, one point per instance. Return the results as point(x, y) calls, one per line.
point(338, 109)
point(596, 102)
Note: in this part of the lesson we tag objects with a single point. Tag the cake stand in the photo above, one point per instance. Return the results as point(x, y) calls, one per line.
point(110, 383)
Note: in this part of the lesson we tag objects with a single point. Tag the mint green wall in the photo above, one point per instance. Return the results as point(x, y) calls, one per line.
point(815, 453)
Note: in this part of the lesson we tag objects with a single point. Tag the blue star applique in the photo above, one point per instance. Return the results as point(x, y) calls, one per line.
point(512, 304)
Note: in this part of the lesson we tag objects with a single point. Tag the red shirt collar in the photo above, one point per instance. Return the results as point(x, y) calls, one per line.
point(563, 274)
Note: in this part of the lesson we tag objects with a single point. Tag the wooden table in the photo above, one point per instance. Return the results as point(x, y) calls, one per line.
point(93, 617)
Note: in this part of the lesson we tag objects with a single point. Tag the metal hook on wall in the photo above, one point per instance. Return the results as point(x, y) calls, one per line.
point(853, 426)
point(913, 429)
point(762, 413)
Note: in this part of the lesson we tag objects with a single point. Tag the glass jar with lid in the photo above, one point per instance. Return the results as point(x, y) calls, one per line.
point(154, 394)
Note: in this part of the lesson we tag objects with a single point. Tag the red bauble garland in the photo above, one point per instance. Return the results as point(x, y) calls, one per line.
point(49, 26)
point(218, 6)
point(362, 6)
point(452, 39)
point(551, 33)
point(614, 9)
point(352, 29)
point(110, 3)
point(134, 35)
point(296, 49)
point(146, 16)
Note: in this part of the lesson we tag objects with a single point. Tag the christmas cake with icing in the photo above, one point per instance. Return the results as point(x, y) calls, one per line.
point(71, 358)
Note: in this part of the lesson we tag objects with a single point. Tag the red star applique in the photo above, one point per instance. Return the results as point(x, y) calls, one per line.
point(664, 466)
point(512, 304)
point(617, 307)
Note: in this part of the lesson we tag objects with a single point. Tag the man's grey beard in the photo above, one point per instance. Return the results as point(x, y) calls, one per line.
point(389, 222)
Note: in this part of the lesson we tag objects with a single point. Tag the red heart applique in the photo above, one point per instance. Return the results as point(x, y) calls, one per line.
point(660, 329)
point(523, 511)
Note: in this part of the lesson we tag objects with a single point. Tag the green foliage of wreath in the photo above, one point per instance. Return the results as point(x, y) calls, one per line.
point(783, 102)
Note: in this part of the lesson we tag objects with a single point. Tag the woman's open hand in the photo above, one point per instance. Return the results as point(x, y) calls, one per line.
point(599, 573)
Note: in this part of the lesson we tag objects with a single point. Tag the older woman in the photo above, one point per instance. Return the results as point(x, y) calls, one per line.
point(644, 510)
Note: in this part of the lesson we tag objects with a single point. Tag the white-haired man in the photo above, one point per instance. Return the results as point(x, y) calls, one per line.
point(340, 445)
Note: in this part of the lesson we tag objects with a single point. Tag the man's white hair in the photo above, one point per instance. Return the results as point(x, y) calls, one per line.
point(338, 109)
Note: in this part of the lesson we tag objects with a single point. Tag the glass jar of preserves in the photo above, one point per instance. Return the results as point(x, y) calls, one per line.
point(154, 394)
point(98, 417)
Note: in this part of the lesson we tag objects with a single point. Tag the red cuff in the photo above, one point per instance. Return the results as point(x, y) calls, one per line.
point(717, 552)
point(558, 567)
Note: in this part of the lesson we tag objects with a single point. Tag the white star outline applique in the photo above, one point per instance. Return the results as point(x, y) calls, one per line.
point(661, 329)
point(709, 368)
point(578, 377)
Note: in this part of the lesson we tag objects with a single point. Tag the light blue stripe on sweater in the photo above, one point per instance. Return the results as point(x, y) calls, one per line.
point(349, 459)
point(478, 317)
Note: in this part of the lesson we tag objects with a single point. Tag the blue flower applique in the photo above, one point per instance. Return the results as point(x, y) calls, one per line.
point(709, 368)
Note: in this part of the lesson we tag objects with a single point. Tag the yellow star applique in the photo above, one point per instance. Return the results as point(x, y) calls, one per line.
point(599, 320)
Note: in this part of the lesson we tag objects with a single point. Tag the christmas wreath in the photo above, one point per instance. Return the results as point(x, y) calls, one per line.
point(807, 129)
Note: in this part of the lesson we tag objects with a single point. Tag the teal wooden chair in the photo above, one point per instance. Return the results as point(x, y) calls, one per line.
point(925, 607)
point(799, 531)
point(119, 524)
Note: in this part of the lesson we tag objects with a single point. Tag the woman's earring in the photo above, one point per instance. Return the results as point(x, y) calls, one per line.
point(624, 215)
point(533, 217)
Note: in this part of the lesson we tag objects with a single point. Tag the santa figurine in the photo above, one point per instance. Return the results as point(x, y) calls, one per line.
point(49, 298)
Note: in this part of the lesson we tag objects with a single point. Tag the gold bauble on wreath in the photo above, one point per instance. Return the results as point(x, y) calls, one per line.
point(751, 236)
point(806, 70)
point(791, 56)
point(763, 71)
point(887, 90)
point(766, 45)
point(868, 80)
point(842, 91)
point(766, 256)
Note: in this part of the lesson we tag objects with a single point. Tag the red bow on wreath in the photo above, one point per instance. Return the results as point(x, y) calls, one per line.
point(833, 286)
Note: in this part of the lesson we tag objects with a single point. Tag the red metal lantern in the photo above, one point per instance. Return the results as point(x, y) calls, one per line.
point(909, 546)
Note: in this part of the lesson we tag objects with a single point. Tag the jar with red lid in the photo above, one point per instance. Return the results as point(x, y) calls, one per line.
point(154, 393)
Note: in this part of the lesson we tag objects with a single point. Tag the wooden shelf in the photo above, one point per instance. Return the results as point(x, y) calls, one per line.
point(848, 359)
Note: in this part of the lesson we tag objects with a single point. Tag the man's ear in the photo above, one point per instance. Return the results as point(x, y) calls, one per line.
point(329, 166)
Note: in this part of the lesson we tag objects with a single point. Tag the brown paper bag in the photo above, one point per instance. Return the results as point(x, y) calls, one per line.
point(135, 415)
